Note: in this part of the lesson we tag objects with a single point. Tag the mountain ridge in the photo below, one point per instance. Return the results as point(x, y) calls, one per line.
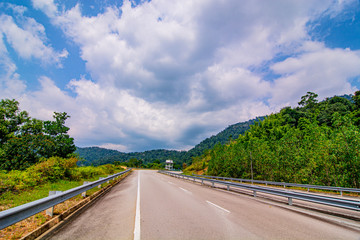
point(99, 156)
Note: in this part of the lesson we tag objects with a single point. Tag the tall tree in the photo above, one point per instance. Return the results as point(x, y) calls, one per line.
point(24, 140)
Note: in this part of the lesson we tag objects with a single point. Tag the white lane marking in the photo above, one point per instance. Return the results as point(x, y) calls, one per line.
point(171, 183)
point(225, 210)
point(185, 190)
point(137, 214)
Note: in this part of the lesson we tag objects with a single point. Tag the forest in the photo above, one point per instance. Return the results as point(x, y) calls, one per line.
point(26, 141)
point(314, 143)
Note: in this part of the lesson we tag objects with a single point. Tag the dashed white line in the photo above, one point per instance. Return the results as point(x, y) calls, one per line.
point(187, 191)
point(137, 214)
point(171, 183)
point(213, 204)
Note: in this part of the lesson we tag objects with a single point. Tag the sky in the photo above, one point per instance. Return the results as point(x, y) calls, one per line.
point(142, 75)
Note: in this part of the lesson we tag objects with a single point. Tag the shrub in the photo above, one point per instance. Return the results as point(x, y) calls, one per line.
point(89, 172)
point(54, 168)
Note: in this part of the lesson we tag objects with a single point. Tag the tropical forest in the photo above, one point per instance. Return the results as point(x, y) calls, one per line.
point(313, 143)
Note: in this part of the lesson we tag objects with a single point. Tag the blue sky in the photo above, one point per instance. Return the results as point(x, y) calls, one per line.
point(142, 75)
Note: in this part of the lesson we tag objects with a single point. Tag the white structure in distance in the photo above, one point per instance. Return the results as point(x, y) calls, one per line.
point(169, 165)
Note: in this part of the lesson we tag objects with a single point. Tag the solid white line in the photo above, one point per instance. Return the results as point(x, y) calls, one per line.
point(218, 206)
point(137, 214)
point(185, 190)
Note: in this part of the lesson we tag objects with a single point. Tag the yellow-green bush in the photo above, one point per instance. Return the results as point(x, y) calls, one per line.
point(54, 168)
point(88, 172)
point(50, 170)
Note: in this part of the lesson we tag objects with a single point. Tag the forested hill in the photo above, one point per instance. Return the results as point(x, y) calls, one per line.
point(98, 156)
point(223, 137)
point(314, 143)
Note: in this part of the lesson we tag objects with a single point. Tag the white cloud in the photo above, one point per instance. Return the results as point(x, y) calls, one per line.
point(321, 70)
point(157, 53)
point(10, 84)
point(47, 6)
point(28, 41)
point(119, 147)
point(47, 100)
point(170, 73)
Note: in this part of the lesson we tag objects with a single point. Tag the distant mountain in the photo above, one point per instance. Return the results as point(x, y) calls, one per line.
point(231, 132)
point(99, 156)
point(91, 154)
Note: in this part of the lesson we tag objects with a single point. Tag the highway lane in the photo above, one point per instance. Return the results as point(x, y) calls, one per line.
point(110, 217)
point(171, 208)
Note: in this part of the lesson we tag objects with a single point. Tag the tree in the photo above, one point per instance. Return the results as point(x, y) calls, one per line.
point(356, 99)
point(356, 114)
point(309, 100)
point(24, 140)
point(11, 119)
point(64, 144)
point(333, 105)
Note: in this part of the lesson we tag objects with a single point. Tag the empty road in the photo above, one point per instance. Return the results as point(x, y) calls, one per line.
point(149, 205)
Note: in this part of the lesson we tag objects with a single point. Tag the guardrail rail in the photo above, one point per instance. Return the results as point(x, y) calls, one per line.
point(16, 214)
point(331, 201)
point(308, 186)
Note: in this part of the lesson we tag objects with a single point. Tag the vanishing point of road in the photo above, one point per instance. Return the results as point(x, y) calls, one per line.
point(150, 205)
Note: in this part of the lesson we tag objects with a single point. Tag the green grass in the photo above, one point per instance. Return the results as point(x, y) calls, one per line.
point(13, 199)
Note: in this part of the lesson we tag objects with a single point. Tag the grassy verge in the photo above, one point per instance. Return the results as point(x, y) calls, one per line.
point(53, 174)
point(13, 199)
point(26, 226)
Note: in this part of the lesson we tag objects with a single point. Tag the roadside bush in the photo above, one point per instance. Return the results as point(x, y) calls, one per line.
point(108, 168)
point(54, 168)
point(88, 172)
point(8, 181)
point(50, 170)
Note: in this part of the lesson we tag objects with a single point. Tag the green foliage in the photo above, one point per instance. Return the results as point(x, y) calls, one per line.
point(316, 144)
point(309, 100)
point(24, 140)
point(50, 170)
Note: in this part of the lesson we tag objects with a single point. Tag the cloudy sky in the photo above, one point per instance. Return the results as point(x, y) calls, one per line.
point(142, 75)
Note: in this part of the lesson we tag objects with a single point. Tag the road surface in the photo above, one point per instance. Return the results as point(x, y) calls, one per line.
point(149, 205)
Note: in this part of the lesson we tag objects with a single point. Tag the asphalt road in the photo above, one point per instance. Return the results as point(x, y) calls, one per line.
point(149, 205)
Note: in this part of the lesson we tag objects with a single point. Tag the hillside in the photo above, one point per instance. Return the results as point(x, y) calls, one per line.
point(314, 143)
point(223, 137)
point(98, 156)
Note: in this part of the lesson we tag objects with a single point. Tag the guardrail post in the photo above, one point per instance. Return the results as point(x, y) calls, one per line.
point(213, 185)
point(50, 211)
point(202, 182)
point(228, 187)
point(100, 179)
point(108, 180)
point(290, 201)
point(254, 193)
point(84, 193)
point(341, 194)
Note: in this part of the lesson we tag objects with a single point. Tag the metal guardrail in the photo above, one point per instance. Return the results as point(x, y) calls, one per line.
point(308, 186)
point(16, 214)
point(331, 201)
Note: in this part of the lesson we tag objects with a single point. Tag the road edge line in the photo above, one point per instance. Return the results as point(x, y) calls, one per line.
point(137, 214)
